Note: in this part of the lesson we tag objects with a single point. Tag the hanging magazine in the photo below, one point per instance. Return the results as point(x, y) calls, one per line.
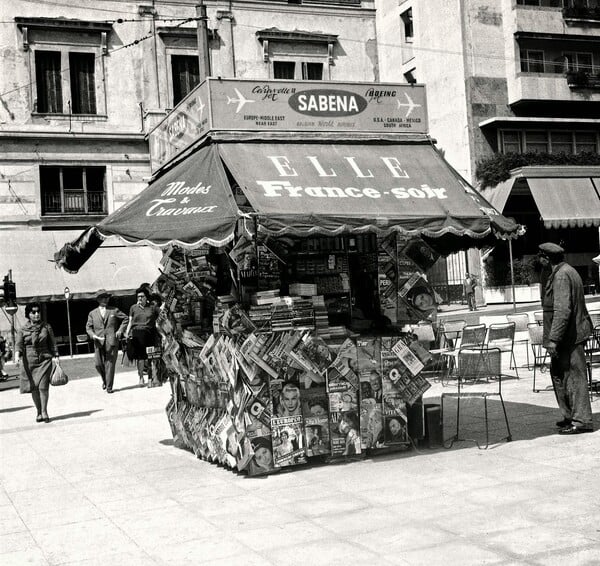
point(288, 441)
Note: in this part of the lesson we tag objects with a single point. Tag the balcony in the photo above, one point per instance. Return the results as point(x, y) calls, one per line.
point(73, 203)
point(550, 87)
point(583, 79)
point(581, 13)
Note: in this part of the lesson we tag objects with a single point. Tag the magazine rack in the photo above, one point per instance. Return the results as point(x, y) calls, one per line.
point(475, 365)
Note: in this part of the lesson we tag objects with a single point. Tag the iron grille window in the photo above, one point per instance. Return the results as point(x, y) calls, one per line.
point(73, 190)
point(186, 75)
point(49, 82)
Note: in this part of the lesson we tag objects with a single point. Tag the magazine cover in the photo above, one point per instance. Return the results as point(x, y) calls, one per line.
point(288, 441)
point(316, 434)
point(370, 392)
point(261, 461)
point(395, 430)
point(407, 357)
point(315, 402)
point(344, 430)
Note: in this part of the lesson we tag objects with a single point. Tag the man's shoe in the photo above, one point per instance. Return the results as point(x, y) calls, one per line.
point(103, 386)
point(572, 429)
point(564, 423)
point(109, 390)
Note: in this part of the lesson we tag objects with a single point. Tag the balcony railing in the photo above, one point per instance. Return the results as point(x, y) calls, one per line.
point(74, 203)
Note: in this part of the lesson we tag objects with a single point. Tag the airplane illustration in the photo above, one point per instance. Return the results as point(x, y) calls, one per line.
point(410, 105)
point(240, 100)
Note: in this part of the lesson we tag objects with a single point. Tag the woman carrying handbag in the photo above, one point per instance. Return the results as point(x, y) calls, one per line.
point(37, 352)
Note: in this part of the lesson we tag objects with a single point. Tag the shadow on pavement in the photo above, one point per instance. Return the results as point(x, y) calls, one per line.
point(76, 415)
point(14, 409)
point(136, 386)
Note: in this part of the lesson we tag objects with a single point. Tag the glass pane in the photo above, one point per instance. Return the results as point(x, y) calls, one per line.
point(536, 142)
point(94, 177)
point(283, 69)
point(562, 142)
point(511, 142)
point(186, 75)
point(83, 82)
point(312, 71)
point(72, 178)
point(50, 189)
point(584, 62)
point(586, 141)
point(48, 80)
point(535, 61)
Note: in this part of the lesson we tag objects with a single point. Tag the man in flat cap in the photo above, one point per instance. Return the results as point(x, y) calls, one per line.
point(567, 325)
point(105, 325)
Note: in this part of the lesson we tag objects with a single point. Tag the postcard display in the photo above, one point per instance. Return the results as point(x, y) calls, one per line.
point(279, 384)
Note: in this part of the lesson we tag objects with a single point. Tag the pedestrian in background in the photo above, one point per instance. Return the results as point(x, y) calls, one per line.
point(469, 285)
point(141, 332)
point(37, 353)
point(567, 325)
point(105, 325)
point(3, 374)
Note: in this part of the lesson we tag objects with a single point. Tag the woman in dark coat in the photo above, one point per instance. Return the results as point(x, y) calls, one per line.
point(35, 348)
point(142, 331)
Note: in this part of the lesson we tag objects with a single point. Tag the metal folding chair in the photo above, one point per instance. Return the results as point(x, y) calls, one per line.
point(540, 356)
point(521, 321)
point(502, 336)
point(592, 359)
point(472, 336)
point(473, 366)
point(538, 316)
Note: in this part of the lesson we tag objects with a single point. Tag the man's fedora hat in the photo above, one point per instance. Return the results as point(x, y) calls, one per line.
point(103, 293)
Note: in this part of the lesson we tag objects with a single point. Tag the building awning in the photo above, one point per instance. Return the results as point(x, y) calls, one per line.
point(117, 268)
point(566, 202)
point(499, 194)
point(302, 188)
point(327, 188)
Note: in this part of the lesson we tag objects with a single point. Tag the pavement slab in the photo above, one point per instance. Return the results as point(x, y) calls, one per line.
point(103, 483)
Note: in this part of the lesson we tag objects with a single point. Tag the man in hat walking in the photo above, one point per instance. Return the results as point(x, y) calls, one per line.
point(567, 325)
point(105, 325)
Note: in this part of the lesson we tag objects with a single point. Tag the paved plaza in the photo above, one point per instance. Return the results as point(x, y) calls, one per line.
point(103, 484)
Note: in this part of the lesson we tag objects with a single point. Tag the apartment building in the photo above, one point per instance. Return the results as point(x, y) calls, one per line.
point(81, 86)
point(516, 84)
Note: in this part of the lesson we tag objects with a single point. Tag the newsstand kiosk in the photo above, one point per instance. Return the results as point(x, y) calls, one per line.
point(298, 221)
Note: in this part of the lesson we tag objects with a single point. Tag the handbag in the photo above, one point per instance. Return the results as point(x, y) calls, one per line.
point(58, 377)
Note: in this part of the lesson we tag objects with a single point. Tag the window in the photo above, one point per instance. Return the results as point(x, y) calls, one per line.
point(48, 81)
point(579, 62)
point(72, 190)
point(186, 75)
point(541, 141)
point(536, 142)
point(586, 141)
point(407, 21)
point(81, 82)
point(532, 61)
point(561, 142)
point(547, 3)
point(284, 69)
point(510, 142)
point(309, 71)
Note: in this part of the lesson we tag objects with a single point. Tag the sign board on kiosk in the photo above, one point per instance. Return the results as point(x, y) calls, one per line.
point(290, 106)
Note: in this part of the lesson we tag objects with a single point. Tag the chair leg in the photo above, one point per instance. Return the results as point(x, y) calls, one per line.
point(509, 437)
point(487, 426)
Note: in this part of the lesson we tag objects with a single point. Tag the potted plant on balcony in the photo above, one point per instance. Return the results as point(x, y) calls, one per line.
point(577, 78)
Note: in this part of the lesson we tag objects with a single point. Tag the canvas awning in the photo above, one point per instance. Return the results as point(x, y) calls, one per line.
point(566, 202)
point(499, 194)
point(192, 204)
point(116, 267)
point(331, 188)
point(301, 188)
